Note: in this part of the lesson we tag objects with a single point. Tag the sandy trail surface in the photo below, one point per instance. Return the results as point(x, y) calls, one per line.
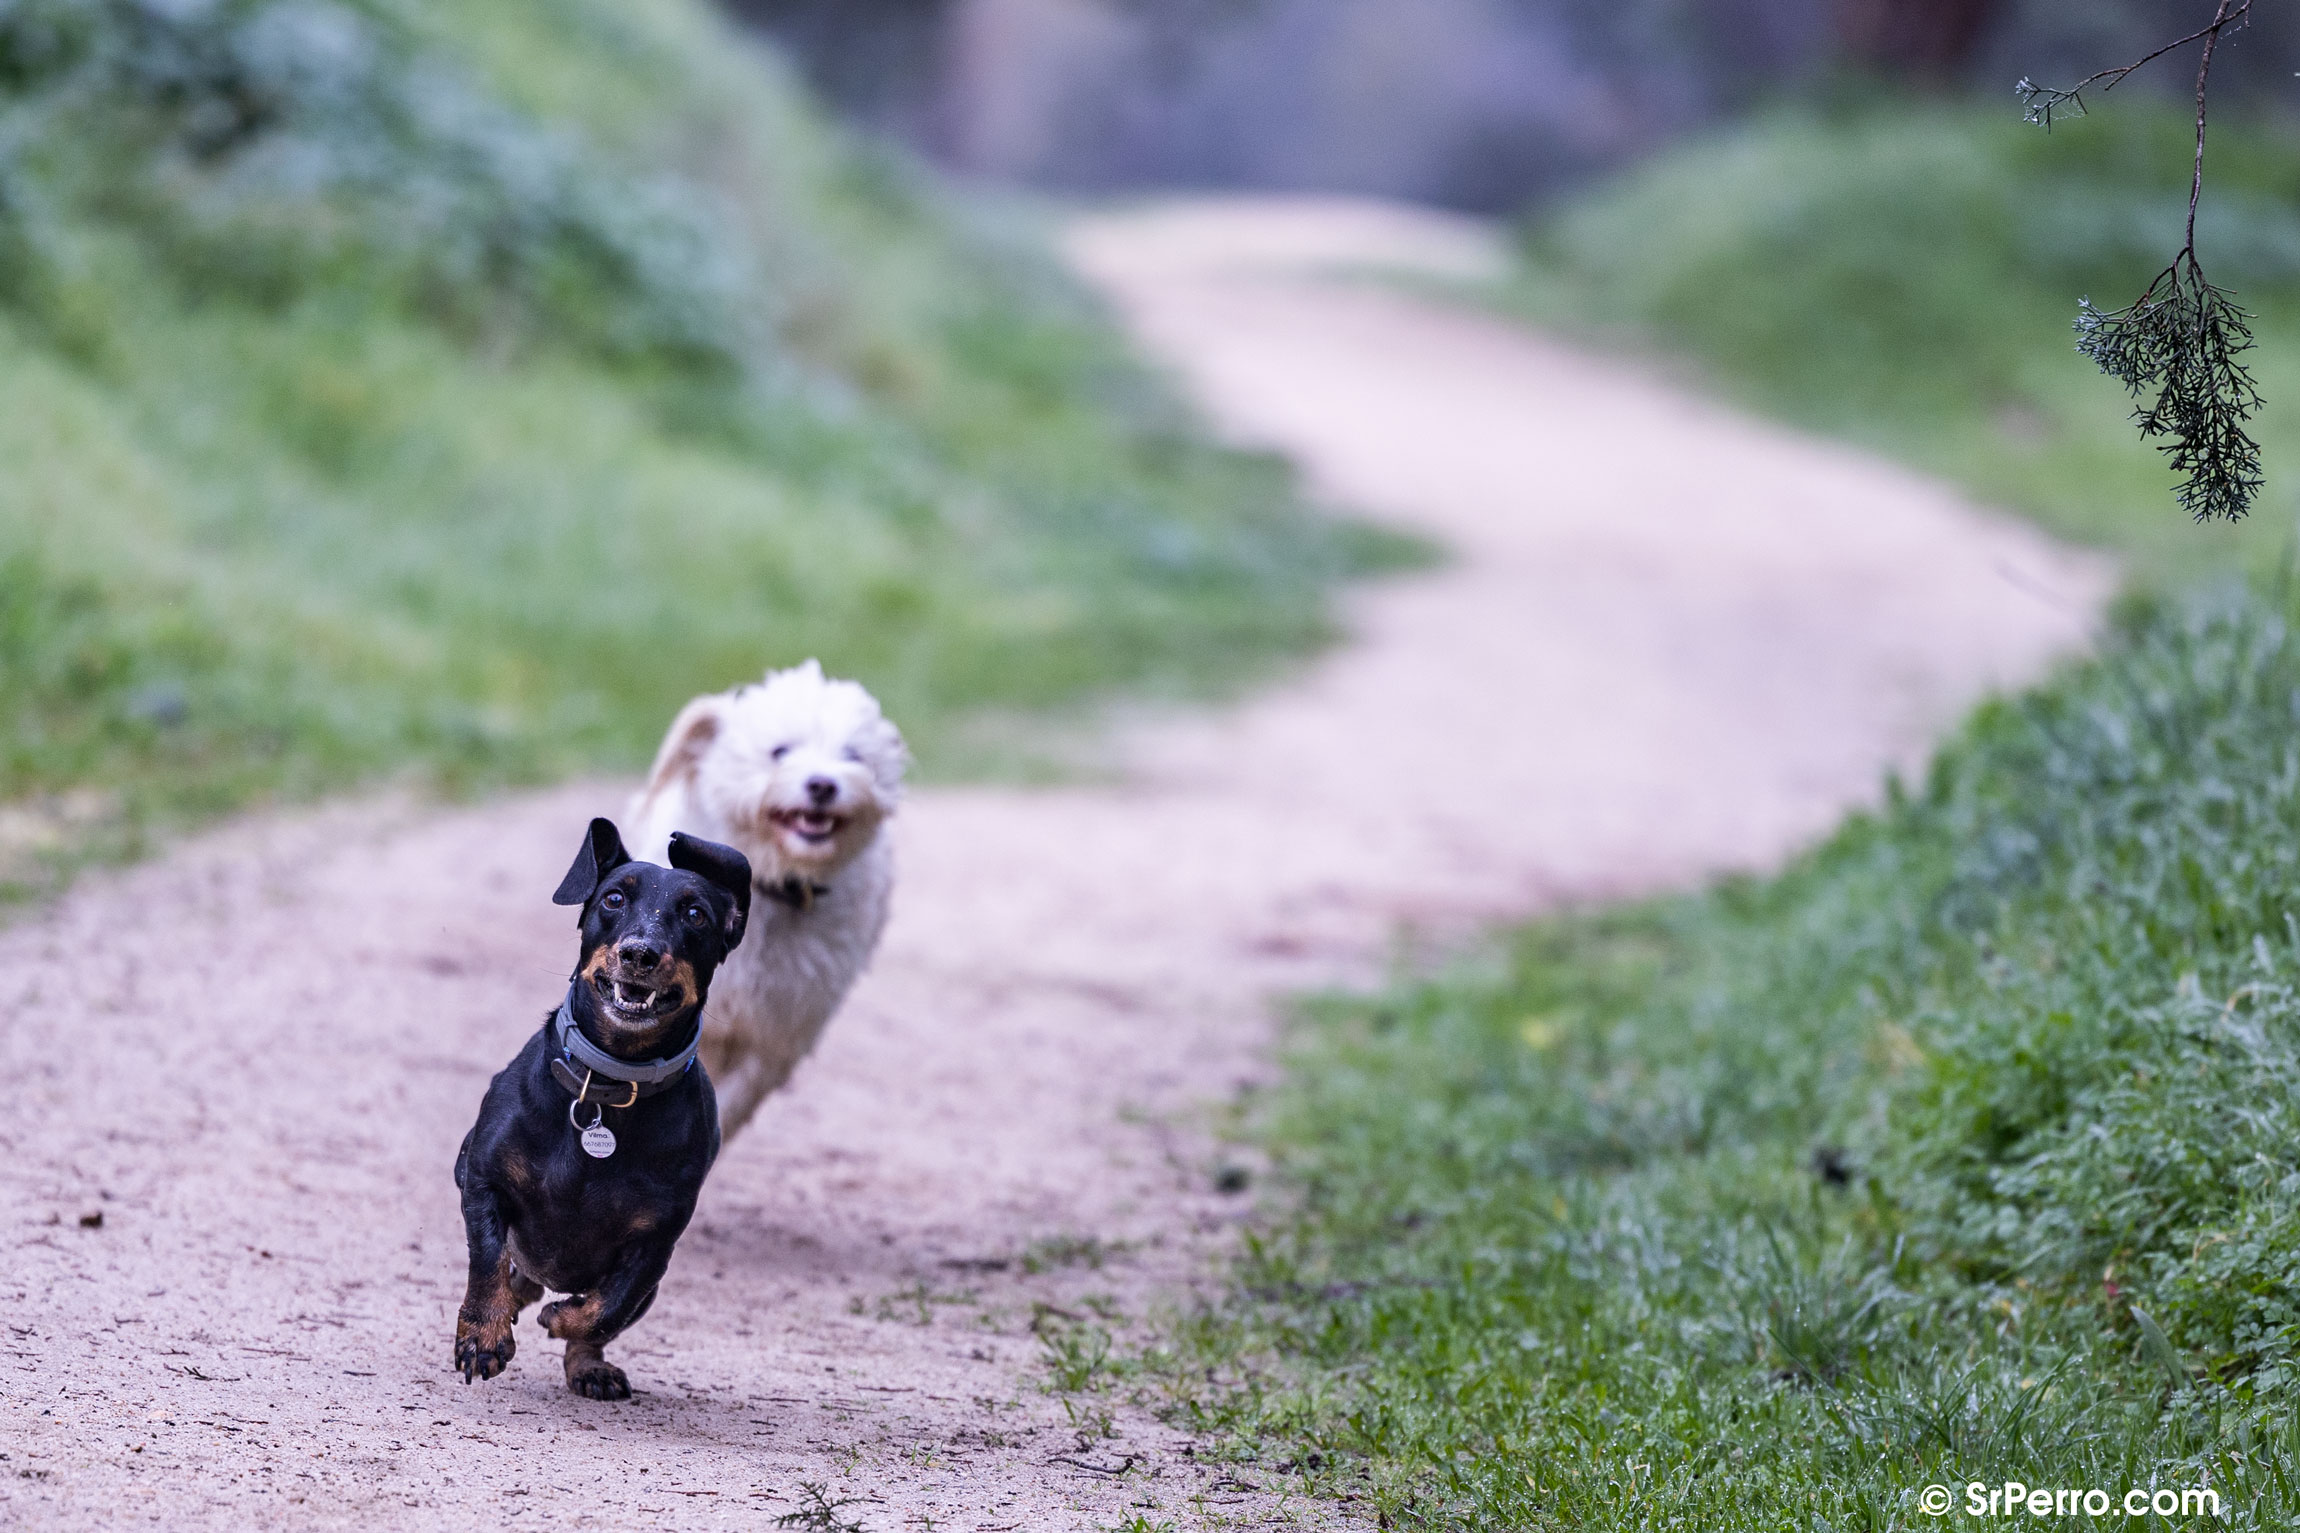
point(1670, 641)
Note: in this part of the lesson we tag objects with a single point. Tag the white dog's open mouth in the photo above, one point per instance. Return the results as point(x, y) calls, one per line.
point(809, 824)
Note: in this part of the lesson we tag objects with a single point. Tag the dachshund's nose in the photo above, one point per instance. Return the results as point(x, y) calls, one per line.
point(821, 789)
point(638, 958)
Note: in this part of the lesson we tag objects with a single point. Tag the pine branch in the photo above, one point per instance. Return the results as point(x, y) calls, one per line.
point(2183, 337)
point(2042, 101)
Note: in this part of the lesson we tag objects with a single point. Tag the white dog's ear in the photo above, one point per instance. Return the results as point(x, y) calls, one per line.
point(888, 756)
point(690, 734)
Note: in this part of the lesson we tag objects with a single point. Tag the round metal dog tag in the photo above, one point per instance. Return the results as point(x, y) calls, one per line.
point(599, 1141)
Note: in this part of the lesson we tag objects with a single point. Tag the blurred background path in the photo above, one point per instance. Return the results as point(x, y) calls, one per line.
point(1668, 641)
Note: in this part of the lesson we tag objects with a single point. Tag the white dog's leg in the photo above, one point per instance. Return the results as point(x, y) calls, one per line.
point(750, 1081)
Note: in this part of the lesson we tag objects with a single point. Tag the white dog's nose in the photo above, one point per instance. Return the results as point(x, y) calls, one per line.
point(822, 789)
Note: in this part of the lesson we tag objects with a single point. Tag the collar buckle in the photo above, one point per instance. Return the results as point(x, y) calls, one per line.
point(588, 1088)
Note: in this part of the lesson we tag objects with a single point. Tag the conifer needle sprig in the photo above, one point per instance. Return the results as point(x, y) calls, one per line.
point(2183, 338)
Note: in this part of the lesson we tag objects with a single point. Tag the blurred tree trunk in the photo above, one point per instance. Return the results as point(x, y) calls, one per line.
point(1914, 39)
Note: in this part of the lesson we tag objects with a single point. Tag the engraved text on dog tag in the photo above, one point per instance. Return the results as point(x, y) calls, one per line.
point(598, 1141)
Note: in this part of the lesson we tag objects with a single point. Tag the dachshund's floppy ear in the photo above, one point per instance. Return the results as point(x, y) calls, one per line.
point(602, 853)
point(722, 865)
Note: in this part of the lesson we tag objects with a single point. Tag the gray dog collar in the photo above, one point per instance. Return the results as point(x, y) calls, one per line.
point(594, 1075)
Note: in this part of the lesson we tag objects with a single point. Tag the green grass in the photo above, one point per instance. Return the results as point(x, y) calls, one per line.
point(467, 441)
point(1908, 279)
point(1962, 1150)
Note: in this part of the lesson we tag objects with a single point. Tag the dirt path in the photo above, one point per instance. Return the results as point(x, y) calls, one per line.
point(1673, 641)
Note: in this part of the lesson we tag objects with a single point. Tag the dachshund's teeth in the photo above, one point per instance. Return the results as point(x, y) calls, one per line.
point(629, 997)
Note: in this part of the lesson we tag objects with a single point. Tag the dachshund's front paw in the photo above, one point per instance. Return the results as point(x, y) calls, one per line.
point(483, 1351)
point(595, 1378)
point(568, 1319)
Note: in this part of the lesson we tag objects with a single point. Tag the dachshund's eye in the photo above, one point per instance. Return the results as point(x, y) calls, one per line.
point(698, 916)
point(612, 900)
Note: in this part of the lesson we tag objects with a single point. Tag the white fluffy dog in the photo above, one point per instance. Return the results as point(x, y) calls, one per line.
point(799, 772)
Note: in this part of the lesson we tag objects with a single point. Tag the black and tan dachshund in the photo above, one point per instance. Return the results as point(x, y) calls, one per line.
point(592, 1145)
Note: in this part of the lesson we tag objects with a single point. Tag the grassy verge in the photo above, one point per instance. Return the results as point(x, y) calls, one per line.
point(1961, 1151)
point(1908, 279)
point(404, 385)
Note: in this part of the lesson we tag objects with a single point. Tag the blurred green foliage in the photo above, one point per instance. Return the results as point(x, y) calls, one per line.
point(409, 384)
point(264, 150)
point(1909, 277)
point(1964, 1149)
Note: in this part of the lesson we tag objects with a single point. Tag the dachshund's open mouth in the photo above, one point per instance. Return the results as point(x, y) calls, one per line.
point(811, 825)
point(635, 1001)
